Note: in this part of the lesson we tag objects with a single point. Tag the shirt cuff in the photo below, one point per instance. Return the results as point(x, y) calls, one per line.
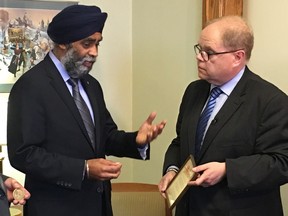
point(143, 151)
point(172, 168)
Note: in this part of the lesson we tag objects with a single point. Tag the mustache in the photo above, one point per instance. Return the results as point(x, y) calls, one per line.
point(89, 58)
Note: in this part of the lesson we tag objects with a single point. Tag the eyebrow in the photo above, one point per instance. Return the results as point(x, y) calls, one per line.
point(92, 40)
point(207, 48)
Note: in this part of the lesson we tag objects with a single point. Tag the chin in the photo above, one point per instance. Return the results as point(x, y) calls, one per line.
point(201, 76)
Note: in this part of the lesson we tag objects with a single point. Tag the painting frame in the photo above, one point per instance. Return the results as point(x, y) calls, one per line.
point(21, 33)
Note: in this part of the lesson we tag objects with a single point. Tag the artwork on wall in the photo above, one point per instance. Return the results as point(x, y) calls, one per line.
point(23, 37)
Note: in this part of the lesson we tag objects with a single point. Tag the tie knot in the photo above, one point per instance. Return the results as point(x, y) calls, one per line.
point(73, 82)
point(215, 92)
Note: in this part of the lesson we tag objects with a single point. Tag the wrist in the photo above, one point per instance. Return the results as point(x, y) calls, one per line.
point(172, 168)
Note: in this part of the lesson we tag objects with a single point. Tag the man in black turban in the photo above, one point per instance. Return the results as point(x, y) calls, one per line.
point(75, 23)
point(59, 129)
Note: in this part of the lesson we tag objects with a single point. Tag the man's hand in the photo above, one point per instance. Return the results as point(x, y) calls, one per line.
point(103, 169)
point(11, 184)
point(209, 174)
point(148, 132)
point(164, 182)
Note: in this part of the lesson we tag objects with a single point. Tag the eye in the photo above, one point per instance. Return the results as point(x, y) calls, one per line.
point(210, 52)
point(86, 44)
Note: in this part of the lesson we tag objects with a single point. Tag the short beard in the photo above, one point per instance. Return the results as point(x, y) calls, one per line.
point(73, 63)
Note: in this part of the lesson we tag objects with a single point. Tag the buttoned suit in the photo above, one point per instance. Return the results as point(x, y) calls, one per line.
point(48, 142)
point(4, 204)
point(250, 134)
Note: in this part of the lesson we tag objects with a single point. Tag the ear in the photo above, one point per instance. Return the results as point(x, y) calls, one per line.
point(239, 57)
point(63, 46)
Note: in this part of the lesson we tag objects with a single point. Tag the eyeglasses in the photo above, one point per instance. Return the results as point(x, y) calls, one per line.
point(206, 54)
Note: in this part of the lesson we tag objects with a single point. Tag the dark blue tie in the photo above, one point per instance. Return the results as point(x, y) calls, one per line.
point(83, 109)
point(202, 123)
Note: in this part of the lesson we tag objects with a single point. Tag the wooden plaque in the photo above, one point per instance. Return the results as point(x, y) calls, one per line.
point(179, 183)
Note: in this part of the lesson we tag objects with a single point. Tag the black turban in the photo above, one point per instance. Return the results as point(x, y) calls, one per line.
point(75, 23)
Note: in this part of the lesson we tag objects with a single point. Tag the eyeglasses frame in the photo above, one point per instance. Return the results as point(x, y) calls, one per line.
point(198, 50)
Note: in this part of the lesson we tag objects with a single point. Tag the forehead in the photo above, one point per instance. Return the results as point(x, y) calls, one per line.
point(97, 36)
point(211, 36)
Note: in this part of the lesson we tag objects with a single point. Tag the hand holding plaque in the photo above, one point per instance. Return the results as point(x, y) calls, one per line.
point(179, 183)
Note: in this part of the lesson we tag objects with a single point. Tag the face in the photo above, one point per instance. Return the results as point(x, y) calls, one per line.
point(219, 68)
point(81, 55)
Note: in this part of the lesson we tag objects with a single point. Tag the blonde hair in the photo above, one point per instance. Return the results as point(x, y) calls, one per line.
point(236, 33)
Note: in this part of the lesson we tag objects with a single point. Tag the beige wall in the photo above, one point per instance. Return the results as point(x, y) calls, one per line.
point(270, 57)
point(146, 61)
point(269, 20)
point(164, 33)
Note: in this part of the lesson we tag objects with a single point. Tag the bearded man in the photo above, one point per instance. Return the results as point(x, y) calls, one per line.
point(59, 129)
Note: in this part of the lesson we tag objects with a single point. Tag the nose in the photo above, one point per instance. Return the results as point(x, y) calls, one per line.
point(94, 51)
point(199, 57)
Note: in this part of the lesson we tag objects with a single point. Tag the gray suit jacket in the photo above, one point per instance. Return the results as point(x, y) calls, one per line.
point(250, 134)
point(4, 204)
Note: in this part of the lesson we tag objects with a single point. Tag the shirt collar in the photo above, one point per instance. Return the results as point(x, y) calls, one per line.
point(228, 87)
point(59, 66)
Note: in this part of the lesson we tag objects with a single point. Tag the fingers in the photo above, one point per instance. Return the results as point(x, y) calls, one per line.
point(12, 184)
point(209, 174)
point(148, 132)
point(151, 117)
point(159, 128)
point(162, 186)
point(164, 182)
point(200, 168)
point(103, 169)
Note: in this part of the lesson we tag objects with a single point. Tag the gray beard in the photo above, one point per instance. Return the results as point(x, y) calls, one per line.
point(74, 64)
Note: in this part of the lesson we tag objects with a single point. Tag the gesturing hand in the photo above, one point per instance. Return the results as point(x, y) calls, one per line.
point(148, 132)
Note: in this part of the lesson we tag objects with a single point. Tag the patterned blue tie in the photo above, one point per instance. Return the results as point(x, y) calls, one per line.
point(83, 109)
point(202, 123)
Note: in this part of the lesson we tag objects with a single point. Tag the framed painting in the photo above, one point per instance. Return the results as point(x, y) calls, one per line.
point(23, 37)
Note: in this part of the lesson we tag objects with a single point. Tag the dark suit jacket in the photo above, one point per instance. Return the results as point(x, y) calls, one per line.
point(48, 142)
point(4, 204)
point(250, 134)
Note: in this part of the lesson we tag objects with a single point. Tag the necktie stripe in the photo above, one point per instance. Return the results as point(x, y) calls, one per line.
point(202, 123)
point(83, 109)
